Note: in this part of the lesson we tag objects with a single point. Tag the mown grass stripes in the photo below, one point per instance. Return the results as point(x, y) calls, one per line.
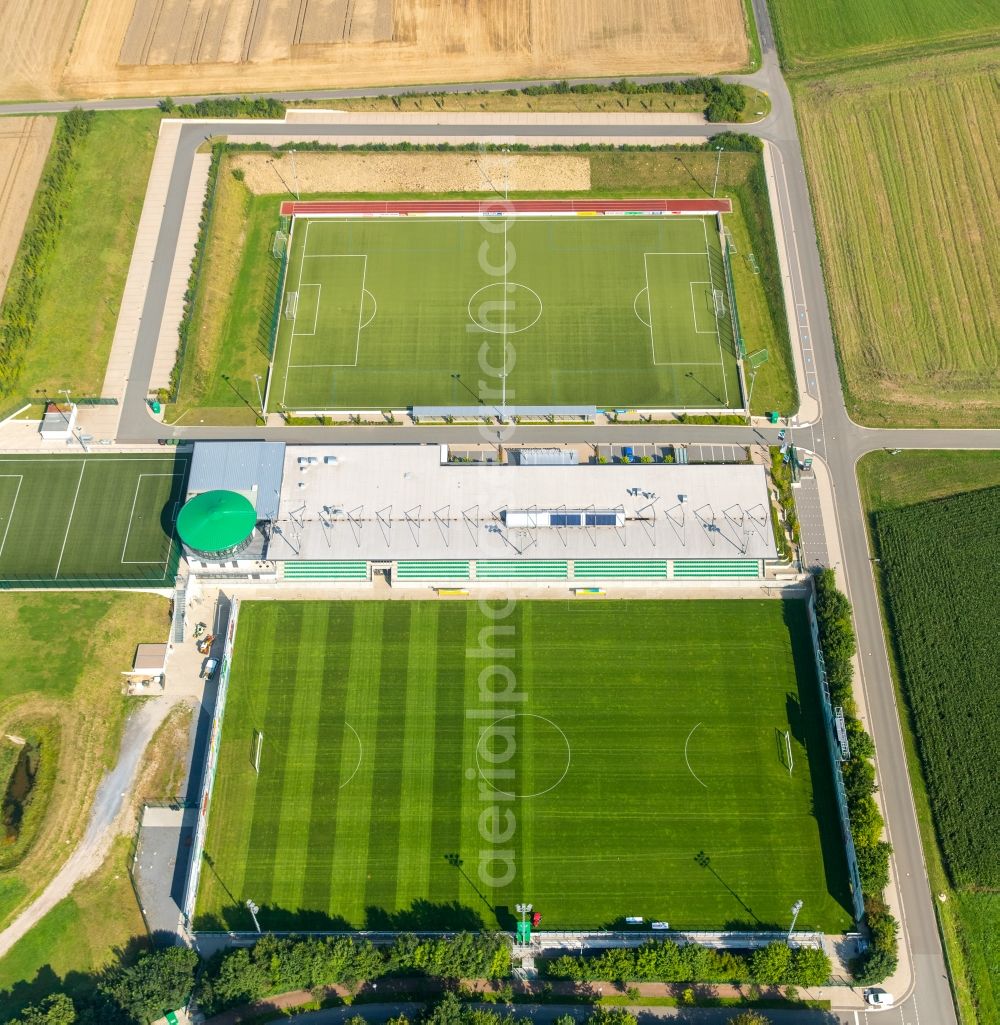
point(647, 733)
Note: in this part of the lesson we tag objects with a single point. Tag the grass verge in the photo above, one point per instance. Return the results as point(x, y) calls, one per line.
point(81, 288)
point(69, 679)
point(97, 925)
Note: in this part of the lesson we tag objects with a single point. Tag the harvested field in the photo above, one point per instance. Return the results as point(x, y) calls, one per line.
point(205, 46)
point(319, 173)
point(904, 179)
point(24, 144)
point(35, 41)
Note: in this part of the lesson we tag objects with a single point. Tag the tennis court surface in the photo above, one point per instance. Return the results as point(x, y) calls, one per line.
point(611, 310)
point(89, 520)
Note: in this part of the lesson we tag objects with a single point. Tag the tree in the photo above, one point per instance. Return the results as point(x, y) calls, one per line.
point(611, 1016)
point(771, 965)
point(158, 982)
point(57, 1009)
point(811, 967)
point(749, 1018)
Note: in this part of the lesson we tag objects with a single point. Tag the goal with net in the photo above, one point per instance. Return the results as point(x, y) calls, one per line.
point(291, 305)
point(258, 744)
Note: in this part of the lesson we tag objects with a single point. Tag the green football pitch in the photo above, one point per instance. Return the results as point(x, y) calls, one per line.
point(644, 772)
point(89, 519)
point(613, 311)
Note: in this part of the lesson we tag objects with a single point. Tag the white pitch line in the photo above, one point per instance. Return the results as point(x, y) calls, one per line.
point(62, 551)
point(10, 515)
point(686, 742)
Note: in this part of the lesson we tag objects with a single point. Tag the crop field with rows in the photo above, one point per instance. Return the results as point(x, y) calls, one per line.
point(948, 666)
point(902, 176)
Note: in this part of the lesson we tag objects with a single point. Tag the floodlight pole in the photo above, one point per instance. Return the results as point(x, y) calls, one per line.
point(796, 908)
point(718, 161)
point(256, 381)
point(253, 909)
point(295, 175)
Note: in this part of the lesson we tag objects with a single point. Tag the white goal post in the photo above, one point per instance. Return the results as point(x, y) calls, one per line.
point(788, 748)
point(291, 305)
point(719, 299)
point(258, 743)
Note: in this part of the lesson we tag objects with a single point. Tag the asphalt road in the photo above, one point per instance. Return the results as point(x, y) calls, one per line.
point(834, 437)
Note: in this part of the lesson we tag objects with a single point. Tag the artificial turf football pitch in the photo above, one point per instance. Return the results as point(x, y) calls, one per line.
point(643, 770)
point(79, 520)
point(613, 311)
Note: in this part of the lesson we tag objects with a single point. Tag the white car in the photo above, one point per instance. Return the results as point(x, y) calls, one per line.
point(878, 997)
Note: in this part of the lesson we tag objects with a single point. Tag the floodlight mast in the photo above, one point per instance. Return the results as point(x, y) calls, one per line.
point(796, 908)
point(718, 161)
point(253, 909)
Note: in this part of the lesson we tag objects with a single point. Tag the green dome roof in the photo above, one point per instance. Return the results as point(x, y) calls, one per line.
point(216, 521)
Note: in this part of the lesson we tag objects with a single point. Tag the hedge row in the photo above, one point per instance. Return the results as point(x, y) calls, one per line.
point(232, 107)
point(19, 313)
point(191, 292)
point(731, 141)
point(275, 965)
point(839, 644)
point(665, 961)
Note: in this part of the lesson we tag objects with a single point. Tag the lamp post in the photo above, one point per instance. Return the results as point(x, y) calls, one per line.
point(256, 381)
point(253, 909)
point(718, 161)
point(295, 175)
point(796, 908)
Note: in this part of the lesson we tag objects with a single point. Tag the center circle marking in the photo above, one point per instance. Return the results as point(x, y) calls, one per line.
point(522, 715)
point(512, 289)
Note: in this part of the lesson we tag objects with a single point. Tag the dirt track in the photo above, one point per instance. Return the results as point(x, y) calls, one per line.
point(24, 144)
point(414, 172)
point(174, 47)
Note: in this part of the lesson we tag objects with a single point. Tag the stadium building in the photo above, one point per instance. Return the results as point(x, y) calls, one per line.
point(414, 516)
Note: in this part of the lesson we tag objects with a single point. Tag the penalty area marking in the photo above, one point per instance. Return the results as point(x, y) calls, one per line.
point(635, 305)
point(13, 505)
point(361, 752)
point(135, 499)
point(686, 742)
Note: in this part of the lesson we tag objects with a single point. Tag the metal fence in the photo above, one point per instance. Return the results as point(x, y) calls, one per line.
point(211, 765)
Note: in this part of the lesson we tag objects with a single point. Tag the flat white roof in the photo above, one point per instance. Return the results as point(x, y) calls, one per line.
point(387, 502)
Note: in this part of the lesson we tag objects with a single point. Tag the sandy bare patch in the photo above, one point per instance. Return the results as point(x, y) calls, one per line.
point(24, 144)
point(414, 172)
point(204, 46)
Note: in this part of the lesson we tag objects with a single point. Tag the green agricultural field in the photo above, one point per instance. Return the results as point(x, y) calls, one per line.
point(89, 519)
point(901, 166)
point(609, 311)
point(826, 36)
point(644, 771)
point(946, 666)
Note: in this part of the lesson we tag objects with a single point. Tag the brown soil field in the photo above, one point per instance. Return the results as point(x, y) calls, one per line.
point(24, 145)
point(414, 172)
point(178, 47)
